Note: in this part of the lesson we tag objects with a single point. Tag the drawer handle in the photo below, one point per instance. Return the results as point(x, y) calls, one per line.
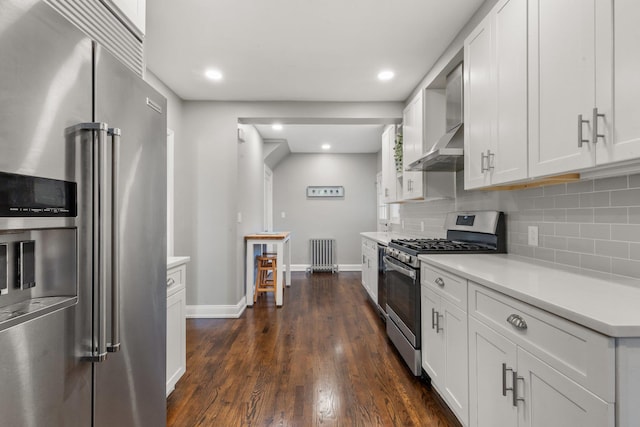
point(505, 389)
point(439, 281)
point(515, 380)
point(517, 321)
point(171, 281)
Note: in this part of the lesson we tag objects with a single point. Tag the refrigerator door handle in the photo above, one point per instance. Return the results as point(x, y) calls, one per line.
point(100, 229)
point(114, 346)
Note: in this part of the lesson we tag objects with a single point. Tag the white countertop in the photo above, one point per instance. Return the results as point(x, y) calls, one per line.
point(607, 304)
point(383, 237)
point(174, 261)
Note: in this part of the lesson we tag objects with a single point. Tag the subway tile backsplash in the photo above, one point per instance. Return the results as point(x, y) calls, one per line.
point(590, 224)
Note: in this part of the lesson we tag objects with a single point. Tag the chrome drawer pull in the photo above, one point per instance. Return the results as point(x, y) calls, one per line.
point(438, 328)
point(439, 281)
point(515, 379)
point(170, 281)
point(505, 389)
point(581, 140)
point(517, 321)
point(595, 135)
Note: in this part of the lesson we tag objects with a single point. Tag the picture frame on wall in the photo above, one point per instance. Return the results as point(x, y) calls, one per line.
point(333, 191)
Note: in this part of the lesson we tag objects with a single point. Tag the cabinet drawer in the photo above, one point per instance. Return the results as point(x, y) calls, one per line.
point(370, 244)
point(176, 276)
point(581, 354)
point(452, 287)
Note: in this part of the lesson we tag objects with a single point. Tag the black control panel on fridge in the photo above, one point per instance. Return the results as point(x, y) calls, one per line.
point(31, 196)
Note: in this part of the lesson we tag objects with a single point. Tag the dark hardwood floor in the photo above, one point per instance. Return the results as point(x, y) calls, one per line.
point(323, 359)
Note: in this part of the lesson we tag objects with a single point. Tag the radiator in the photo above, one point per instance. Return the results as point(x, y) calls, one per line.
point(323, 255)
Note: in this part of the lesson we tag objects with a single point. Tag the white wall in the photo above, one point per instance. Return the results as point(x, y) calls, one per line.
point(174, 102)
point(216, 182)
point(342, 219)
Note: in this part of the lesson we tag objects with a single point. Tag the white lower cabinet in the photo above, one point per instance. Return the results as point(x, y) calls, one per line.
point(370, 268)
point(176, 326)
point(510, 386)
point(444, 337)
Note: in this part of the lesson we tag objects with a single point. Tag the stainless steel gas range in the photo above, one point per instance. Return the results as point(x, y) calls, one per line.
point(467, 232)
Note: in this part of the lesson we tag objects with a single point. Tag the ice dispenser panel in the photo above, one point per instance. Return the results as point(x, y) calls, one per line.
point(26, 264)
point(4, 270)
point(37, 273)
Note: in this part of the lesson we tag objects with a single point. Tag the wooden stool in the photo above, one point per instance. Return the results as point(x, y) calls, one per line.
point(264, 282)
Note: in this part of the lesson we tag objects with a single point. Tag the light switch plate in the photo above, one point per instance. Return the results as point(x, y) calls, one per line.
point(533, 235)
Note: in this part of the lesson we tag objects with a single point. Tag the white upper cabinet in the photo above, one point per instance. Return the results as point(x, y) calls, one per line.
point(562, 78)
point(617, 88)
point(389, 176)
point(495, 79)
point(132, 11)
point(478, 102)
point(412, 147)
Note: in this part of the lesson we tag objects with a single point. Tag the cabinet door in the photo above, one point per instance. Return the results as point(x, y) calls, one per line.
point(488, 404)
point(365, 269)
point(509, 142)
point(388, 165)
point(432, 338)
point(478, 104)
point(561, 84)
point(176, 339)
point(373, 271)
point(456, 371)
point(619, 69)
point(134, 11)
point(412, 146)
point(551, 399)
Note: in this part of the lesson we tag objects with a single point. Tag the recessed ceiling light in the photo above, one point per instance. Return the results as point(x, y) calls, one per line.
point(386, 75)
point(276, 126)
point(213, 74)
point(326, 146)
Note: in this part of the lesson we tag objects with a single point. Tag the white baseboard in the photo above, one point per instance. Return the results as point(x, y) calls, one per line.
point(350, 267)
point(341, 267)
point(217, 311)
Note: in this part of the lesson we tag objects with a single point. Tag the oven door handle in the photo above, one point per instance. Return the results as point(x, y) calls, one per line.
point(390, 264)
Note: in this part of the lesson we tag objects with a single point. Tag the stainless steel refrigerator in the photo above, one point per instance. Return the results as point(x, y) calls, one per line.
point(82, 230)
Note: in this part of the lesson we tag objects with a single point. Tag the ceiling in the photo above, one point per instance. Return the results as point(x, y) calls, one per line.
point(342, 138)
point(301, 50)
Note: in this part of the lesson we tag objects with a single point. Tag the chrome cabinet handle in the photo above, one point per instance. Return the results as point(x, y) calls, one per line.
point(483, 168)
point(438, 328)
point(171, 281)
point(594, 131)
point(505, 389)
point(114, 346)
point(515, 379)
point(433, 320)
point(439, 281)
point(517, 321)
point(490, 159)
point(581, 121)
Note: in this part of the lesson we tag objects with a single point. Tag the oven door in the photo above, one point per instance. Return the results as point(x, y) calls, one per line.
point(403, 298)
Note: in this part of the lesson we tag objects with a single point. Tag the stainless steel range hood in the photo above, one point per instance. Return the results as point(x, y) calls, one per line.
point(447, 154)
